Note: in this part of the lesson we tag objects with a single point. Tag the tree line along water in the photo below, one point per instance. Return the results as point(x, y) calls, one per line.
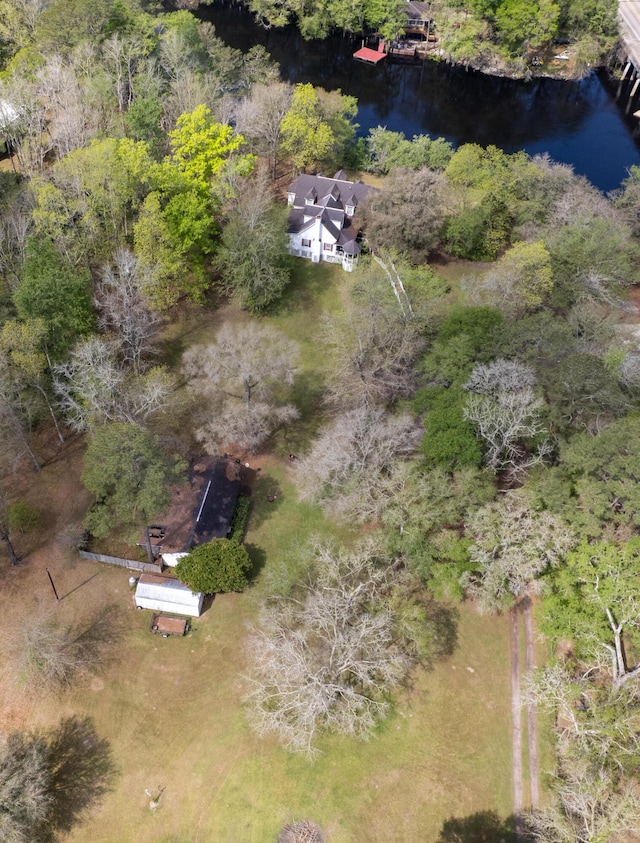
point(578, 123)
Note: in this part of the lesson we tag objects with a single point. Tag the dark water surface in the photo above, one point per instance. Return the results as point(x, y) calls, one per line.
point(577, 123)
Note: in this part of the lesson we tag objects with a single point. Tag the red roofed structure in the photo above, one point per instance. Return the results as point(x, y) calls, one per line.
point(370, 56)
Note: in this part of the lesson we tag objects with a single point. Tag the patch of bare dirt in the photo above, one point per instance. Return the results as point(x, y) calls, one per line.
point(26, 589)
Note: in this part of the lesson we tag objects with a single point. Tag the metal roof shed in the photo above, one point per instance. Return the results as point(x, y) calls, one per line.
point(163, 594)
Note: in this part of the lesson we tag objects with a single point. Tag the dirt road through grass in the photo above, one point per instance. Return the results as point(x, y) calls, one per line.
point(532, 718)
point(516, 722)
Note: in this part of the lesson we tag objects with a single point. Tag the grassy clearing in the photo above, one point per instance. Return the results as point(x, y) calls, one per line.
point(171, 708)
point(279, 528)
point(174, 716)
point(459, 274)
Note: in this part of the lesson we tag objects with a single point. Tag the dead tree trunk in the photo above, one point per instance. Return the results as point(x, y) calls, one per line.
point(7, 540)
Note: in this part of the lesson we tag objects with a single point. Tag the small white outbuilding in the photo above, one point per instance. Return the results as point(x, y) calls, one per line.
point(164, 594)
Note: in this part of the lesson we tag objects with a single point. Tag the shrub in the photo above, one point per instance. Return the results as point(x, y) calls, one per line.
point(24, 518)
point(218, 566)
point(240, 519)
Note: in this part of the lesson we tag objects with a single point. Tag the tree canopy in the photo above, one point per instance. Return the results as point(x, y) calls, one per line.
point(219, 565)
point(127, 472)
point(53, 290)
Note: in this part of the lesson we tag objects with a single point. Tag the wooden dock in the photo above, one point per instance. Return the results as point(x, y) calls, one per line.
point(369, 56)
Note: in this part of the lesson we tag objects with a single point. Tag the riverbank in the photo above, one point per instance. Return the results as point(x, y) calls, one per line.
point(562, 59)
point(555, 62)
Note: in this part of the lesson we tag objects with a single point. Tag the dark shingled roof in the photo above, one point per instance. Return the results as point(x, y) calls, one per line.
point(331, 227)
point(417, 10)
point(335, 192)
point(217, 504)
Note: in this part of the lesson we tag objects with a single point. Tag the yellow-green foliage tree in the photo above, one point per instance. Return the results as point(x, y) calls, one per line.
point(306, 137)
point(200, 146)
point(522, 280)
point(317, 126)
point(174, 234)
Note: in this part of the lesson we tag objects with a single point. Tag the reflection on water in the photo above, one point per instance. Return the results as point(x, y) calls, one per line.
point(577, 123)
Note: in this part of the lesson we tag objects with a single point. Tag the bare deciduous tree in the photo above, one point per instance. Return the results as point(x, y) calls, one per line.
point(630, 370)
point(326, 659)
point(15, 223)
point(583, 705)
point(303, 831)
point(122, 57)
point(46, 655)
point(259, 117)
point(593, 326)
point(123, 308)
point(374, 344)
point(593, 802)
point(59, 85)
point(588, 809)
point(93, 388)
point(579, 199)
point(351, 455)
point(512, 546)
point(241, 375)
point(597, 743)
point(28, 132)
point(491, 378)
point(408, 213)
point(182, 64)
point(24, 787)
point(504, 408)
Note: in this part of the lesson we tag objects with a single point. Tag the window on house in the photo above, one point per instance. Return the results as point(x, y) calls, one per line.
point(328, 247)
point(306, 244)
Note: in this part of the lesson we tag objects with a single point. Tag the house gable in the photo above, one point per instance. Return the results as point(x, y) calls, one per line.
point(320, 225)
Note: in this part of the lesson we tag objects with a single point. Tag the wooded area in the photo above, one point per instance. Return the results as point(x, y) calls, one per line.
point(463, 419)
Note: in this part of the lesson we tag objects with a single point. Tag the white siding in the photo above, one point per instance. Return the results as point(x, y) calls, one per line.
point(172, 559)
point(168, 595)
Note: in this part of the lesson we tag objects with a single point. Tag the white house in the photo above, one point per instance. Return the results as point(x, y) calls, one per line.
point(321, 219)
point(163, 594)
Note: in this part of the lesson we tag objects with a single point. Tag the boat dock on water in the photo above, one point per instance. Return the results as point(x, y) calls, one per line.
point(411, 44)
point(370, 56)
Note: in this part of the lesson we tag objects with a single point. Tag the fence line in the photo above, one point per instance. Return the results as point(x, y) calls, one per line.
point(122, 563)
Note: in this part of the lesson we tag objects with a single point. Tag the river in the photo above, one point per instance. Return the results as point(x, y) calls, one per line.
point(577, 123)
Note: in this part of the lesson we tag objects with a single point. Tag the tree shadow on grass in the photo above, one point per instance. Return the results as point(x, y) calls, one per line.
point(266, 499)
point(82, 772)
point(306, 287)
point(98, 637)
point(443, 620)
point(483, 827)
point(258, 559)
point(435, 636)
point(307, 395)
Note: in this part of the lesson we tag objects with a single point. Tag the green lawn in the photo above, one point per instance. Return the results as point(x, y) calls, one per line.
point(174, 718)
